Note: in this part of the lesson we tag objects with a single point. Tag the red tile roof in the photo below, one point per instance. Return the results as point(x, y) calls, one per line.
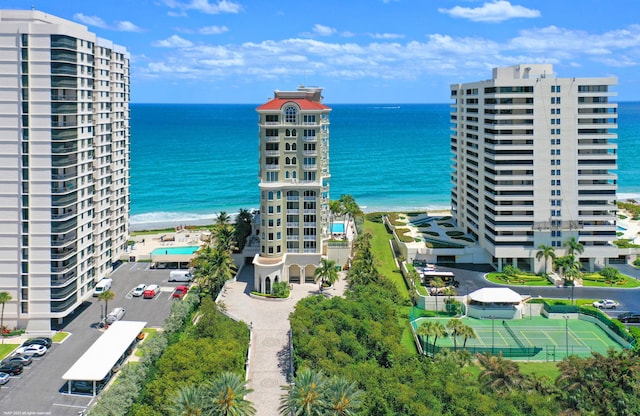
point(278, 103)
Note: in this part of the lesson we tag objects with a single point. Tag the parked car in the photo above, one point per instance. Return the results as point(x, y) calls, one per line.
point(629, 317)
point(86, 386)
point(11, 368)
point(151, 291)
point(34, 349)
point(115, 315)
point(40, 341)
point(606, 304)
point(4, 378)
point(24, 359)
point(180, 291)
point(180, 276)
point(138, 290)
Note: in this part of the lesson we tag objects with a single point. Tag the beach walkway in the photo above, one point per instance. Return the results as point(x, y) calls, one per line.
point(269, 358)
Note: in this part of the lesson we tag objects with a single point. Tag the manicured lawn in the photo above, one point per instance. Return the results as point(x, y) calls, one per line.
point(627, 282)
point(381, 250)
point(548, 369)
point(518, 280)
point(5, 349)
point(60, 336)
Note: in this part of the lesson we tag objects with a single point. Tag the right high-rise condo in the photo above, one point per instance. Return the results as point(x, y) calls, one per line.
point(534, 160)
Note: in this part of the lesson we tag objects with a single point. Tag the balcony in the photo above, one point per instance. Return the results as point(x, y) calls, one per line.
point(293, 238)
point(57, 161)
point(63, 124)
point(293, 224)
point(309, 139)
point(64, 305)
point(272, 152)
point(272, 139)
point(272, 167)
point(309, 167)
point(64, 148)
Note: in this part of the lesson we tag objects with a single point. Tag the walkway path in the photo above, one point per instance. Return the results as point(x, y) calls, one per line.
point(269, 359)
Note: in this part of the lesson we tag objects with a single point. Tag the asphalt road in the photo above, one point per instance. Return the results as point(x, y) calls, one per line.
point(471, 279)
point(38, 389)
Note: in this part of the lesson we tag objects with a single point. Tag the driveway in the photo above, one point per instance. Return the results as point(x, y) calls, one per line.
point(269, 358)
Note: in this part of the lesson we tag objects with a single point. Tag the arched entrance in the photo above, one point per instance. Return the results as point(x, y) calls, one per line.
point(309, 270)
point(267, 285)
point(294, 273)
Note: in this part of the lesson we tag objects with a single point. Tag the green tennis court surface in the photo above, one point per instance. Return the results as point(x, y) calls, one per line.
point(538, 338)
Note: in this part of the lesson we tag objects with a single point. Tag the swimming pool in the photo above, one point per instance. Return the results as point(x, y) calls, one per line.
point(337, 227)
point(175, 250)
point(621, 228)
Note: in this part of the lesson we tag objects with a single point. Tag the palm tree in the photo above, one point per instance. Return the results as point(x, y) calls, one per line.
point(466, 332)
point(425, 330)
point(4, 298)
point(225, 396)
point(573, 247)
point(437, 284)
point(343, 397)
point(438, 331)
point(106, 296)
point(222, 218)
point(306, 396)
point(547, 252)
point(499, 374)
point(188, 401)
point(454, 325)
point(326, 272)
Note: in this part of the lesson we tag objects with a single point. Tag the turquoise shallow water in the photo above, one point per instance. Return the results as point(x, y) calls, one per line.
point(175, 250)
point(189, 162)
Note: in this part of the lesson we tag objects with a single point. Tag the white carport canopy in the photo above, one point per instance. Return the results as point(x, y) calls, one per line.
point(99, 359)
point(495, 295)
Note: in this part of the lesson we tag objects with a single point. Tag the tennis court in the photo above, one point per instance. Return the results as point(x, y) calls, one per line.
point(538, 338)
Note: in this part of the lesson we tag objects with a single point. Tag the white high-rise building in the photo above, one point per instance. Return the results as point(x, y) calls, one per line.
point(294, 187)
point(533, 164)
point(64, 164)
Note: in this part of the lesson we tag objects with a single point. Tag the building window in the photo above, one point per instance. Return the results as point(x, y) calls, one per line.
point(290, 114)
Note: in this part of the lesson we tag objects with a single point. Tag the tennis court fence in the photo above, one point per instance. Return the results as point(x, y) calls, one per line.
point(513, 335)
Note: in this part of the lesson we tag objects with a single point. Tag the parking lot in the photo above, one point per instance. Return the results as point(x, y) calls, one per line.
point(38, 389)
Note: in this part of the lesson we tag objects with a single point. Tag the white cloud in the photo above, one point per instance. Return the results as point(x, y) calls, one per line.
point(213, 30)
point(323, 30)
point(126, 26)
point(90, 20)
point(173, 41)
point(122, 26)
point(203, 6)
point(384, 59)
point(494, 12)
point(386, 35)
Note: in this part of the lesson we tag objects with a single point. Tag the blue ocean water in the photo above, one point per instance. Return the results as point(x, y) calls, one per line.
point(191, 161)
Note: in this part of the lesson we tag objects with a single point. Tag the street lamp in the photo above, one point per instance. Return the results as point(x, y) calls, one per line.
point(566, 333)
point(493, 332)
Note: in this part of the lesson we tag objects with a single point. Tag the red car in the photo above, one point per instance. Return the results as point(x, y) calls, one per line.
point(151, 291)
point(180, 292)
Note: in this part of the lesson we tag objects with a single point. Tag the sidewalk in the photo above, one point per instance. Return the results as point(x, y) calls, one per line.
point(269, 359)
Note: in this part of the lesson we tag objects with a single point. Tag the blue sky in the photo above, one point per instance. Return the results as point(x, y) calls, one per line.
point(360, 51)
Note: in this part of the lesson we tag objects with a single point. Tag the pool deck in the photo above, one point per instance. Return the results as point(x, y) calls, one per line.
point(145, 244)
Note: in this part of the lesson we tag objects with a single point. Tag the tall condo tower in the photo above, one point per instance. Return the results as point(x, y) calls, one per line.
point(64, 164)
point(533, 164)
point(294, 187)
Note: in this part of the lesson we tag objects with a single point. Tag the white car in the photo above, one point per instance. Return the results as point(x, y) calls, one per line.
point(138, 290)
point(606, 304)
point(4, 378)
point(34, 349)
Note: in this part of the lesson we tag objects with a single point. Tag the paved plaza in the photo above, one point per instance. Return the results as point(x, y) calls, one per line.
point(269, 360)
